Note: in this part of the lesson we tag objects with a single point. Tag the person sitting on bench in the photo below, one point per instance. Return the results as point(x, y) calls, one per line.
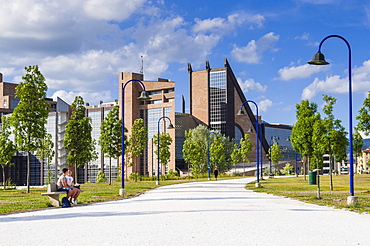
point(63, 186)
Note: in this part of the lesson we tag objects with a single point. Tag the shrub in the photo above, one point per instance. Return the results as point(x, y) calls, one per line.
point(100, 178)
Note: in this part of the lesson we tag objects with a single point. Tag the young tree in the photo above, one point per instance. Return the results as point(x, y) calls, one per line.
point(78, 140)
point(46, 153)
point(165, 141)
point(136, 142)
point(275, 154)
point(363, 117)
point(30, 115)
point(236, 156)
point(7, 148)
point(110, 138)
point(228, 146)
point(245, 148)
point(302, 130)
point(357, 144)
point(217, 154)
point(195, 149)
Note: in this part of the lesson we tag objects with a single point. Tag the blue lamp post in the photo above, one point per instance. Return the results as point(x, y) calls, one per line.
point(319, 59)
point(258, 130)
point(143, 96)
point(209, 158)
point(170, 126)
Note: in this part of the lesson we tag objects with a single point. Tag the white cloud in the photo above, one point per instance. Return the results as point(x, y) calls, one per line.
point(226, 25)
point(304, 36)
point(264, 105)
point(300, 72)
point(250, 84)
point(336, 84)
point(252, 52)
point(94, 98)
point(117, 10)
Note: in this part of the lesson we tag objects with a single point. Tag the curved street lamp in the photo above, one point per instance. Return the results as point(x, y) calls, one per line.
point(143, 96)
point(258, 136)
point(170, 126)
point(319, 59)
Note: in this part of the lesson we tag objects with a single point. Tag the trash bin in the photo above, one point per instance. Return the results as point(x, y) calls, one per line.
point(312, 177)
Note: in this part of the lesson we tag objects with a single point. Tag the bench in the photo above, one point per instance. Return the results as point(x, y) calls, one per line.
point(53, 194)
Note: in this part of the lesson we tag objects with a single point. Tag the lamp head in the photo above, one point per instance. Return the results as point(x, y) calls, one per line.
point(250, 130)
point(241, 112)
point(170, 126)
point(144, 96)
point(318, 59)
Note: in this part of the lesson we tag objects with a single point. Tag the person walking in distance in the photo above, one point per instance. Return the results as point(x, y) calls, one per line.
point(215, 172)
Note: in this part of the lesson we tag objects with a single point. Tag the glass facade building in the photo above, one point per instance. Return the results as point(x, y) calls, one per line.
point(218, 101)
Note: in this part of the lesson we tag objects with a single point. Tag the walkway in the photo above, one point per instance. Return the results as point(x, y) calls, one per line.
point(206, 213)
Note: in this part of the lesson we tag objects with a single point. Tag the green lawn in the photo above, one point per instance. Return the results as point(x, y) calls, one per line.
point(298, 188)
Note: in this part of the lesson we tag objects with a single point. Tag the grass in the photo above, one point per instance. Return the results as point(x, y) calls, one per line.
point(18, 200)
point(299, 189)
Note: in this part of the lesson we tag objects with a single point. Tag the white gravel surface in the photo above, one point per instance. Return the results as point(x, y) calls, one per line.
point(200, 213)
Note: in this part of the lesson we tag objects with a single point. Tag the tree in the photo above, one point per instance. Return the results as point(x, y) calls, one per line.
point(217, 154)
point(110, 138)
point(136, 142)
point(236, 156)
point(363, 117)
point(195, 149)
point(46, 153)
point(302, 130)
point(78, 140)
point(228, 146)
point(30, 116)
point(165, 141)
point(357, 144)
point(329, 137)
point(7, 148)
point(274, 153)
point(245, 148)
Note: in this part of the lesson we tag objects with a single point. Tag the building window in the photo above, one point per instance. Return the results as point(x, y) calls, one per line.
point(5, 104)
point(218, 101)
point(155, 102)
point(155, 92)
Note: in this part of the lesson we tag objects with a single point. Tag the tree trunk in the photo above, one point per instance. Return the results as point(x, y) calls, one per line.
point(110, 170)
point(331, 174)
point(4, 183)
point(28, 171)
point(75, 172)
point(304, 167)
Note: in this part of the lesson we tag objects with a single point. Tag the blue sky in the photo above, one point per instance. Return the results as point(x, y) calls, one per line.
point(81, 46)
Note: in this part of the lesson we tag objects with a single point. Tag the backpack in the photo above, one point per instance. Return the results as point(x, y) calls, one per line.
point(65, 202)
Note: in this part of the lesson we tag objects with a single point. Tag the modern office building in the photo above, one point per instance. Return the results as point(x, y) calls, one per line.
point(215, 99)
point(89, 172)
point(156, 112)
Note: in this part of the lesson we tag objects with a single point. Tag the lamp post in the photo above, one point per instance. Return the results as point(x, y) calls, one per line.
point(170, 126)
point(209, 158)
point(143, 96)
point(319, 59)
point(241, 112)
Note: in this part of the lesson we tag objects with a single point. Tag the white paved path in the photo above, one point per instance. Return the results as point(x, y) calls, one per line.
point(206, 213)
